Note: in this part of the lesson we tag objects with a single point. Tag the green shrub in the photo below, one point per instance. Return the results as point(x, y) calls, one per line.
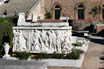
point(23, 55)
point(43, 56)
point(12, 20)
point(77, 44)
point(58, 56)
point(48, 15)
point(47, 56)
point(75, 54)
point(6, 32)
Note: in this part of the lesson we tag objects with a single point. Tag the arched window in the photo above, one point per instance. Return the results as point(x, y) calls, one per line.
point(103, 12)
point(57, 12)
point(81, 12)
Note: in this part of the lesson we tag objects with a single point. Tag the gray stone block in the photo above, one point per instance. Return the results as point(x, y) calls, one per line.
point(21, 64)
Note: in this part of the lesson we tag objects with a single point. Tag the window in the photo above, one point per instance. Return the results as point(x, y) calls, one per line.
point(80, 12)
point(57, 12)
point(103, 12)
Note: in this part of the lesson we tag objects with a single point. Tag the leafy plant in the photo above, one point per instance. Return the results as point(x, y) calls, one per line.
point(48, 15)
point(46, 56)
point(42, 56)
point(95, 11)
point(58, 56)
point(6, 32)
point(75, 54)
point(77, 44)
point(38, 17)
point(23, 55)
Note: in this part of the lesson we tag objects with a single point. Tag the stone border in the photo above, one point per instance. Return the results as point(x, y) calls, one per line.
point(68, 62)
point(64, 62)
point(45, 24)
point(84, 47)
point(29, 28)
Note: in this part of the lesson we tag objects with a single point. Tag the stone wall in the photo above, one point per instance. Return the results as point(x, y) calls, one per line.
point(82, 25)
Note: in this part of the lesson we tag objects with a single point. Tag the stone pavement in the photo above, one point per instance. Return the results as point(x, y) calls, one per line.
point(95, 51)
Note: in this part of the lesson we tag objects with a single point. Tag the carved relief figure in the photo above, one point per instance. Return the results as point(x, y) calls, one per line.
point(42, 41)
point(22, 42)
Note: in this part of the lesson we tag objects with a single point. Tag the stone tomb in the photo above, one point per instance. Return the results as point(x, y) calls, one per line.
point(42, 37)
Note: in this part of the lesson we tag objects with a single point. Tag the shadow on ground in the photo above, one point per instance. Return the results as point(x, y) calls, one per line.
point(101, 68)
point(98, 41)
point(99, 34)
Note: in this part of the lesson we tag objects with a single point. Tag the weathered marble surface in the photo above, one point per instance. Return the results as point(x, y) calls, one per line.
point(21, 64)
point(21, 20)
point(41, 39)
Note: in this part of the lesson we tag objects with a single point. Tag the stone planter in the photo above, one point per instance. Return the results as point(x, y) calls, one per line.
point(84, 47)
point(64, 62)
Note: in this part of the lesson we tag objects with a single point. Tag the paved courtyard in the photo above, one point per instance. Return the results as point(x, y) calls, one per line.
point(95, 51)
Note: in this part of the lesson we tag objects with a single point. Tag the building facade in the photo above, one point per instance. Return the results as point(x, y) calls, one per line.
point(75, 9)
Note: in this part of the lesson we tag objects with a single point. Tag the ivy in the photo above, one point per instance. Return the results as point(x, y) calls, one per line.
point(95, 11)
point(48, 15)
point(6, 31)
